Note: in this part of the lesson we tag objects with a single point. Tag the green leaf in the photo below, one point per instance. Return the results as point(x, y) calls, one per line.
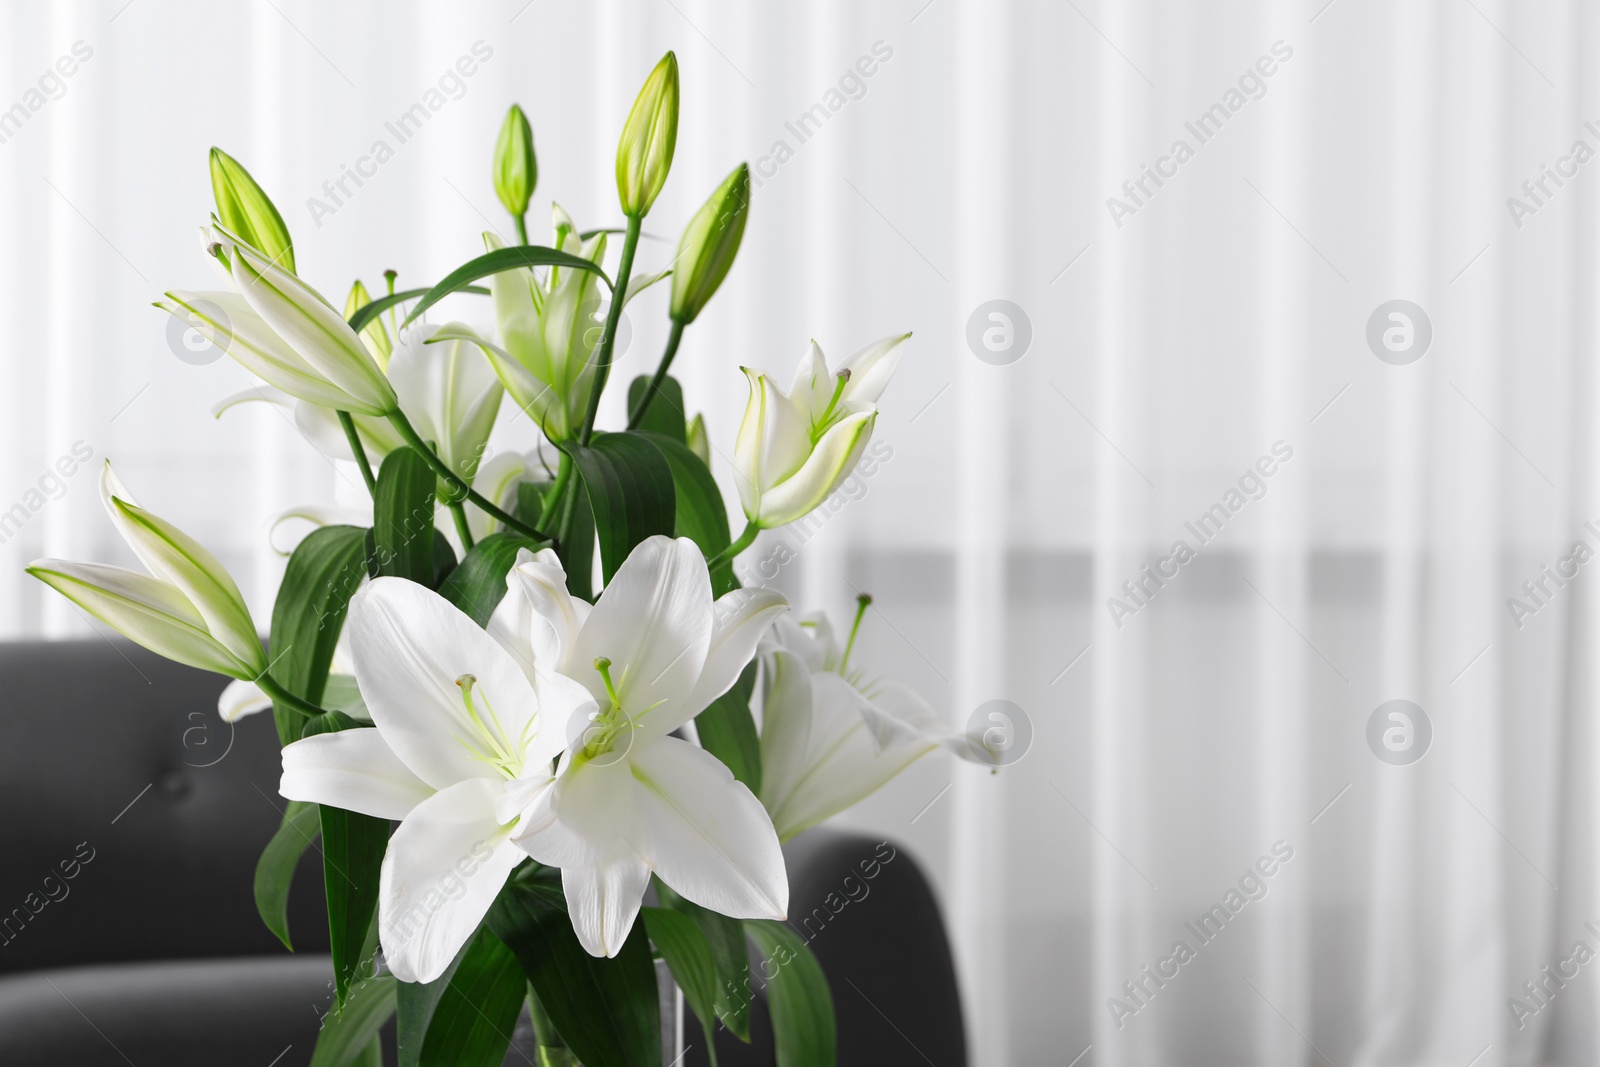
point(478, 584)
point(323, 574)
point(369, 311)
point(464, 1017)
point(797, 996)
point(444, 561)
point(728, 731)
point(605, 1009)
point(346, 1036)
point(275, 869)
point(352, 858)
point(629, 485)
point(577, 548)
point(682, 944)
point(665, 415)
point(503, 259)
point(402, 516)
point(726, 939)
point(700, 514)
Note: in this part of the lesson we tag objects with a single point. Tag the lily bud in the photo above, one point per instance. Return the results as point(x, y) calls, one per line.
point(374, 334)
point(644, 154)
point(249, 212)
point(187, 608)
point(697, 440)
point(516, 171)
point(708, 246)
point(794, 449)
point(310, 328)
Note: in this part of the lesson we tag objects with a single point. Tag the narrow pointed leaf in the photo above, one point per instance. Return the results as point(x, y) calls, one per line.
point(699, 513)
point(323, 574)
point(465, 1017)
point(665, 414)
point(726, 939)
point(727, 730)
point(687, 952)
point(347, 1036)
point(367, 312)
point(803, 1028)
point(605, 1009)
point(402, 516)
point(629, 486)
point(498, 261)
point(275, 869)
point(479, 584)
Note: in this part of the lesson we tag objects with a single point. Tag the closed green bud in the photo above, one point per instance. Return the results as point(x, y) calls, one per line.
point(374, 334)
point(697, 440)
point(248, 212)
point(708, 245)
point(644, 154)
point(516, 171)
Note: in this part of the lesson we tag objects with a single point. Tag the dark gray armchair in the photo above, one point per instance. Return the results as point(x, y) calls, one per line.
point(128, 929)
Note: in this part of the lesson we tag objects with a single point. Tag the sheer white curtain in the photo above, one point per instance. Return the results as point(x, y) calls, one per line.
point(1212, 318)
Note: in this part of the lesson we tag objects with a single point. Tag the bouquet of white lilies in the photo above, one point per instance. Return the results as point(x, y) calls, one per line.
point(502, 763)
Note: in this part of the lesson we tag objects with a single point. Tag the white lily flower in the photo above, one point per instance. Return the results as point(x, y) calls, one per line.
point(462, 745)
point(654, 651)
point(449, 392)
point(830, 737)
point(186, 608)
point(548, 332)
point(794, 448)
point(286, 333)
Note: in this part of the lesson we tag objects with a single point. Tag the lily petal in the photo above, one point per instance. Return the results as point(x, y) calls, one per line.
point(351, 769)
point(871, 368)
point(742, 618)
point(654, 622)
point(410, 645)
point(706, 834)
point(446, 863)
point(539, 614)
point(835, 456)
point(603, 900)
point(240, 698)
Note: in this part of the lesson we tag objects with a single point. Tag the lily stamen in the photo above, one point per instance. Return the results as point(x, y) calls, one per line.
point(821, 425)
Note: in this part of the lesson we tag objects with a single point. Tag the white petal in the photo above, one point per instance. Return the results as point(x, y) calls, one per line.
point(351, 769)
point(451, 394)
point(240, 698)
point(813, 385)
point(835, 456)
point(787, 751)
point(871, 368)
point(742, 618)
point(897, 715)
point(539, 616)
point(773, 442)
point(410, 645)
point(445, 865)
point(603, 900)
point(585, 818)
point(256, 393)
point(705, 833)
point(654, 623)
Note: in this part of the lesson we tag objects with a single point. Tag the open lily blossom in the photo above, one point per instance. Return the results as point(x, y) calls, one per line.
point(463, 742)
point(830, 735)
point(186, 608)
point(498, 670)
point(794, 448)
point(653, 651)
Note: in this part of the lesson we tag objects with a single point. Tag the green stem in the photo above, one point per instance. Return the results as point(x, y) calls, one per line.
point(459, 513)
point(408, 434)
point(552, 502)
point(661, 373)
point(360, 452)
point(863, 601)
point(619, 295)
point(280, 695)
point(728, 554)
point(522, 228)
